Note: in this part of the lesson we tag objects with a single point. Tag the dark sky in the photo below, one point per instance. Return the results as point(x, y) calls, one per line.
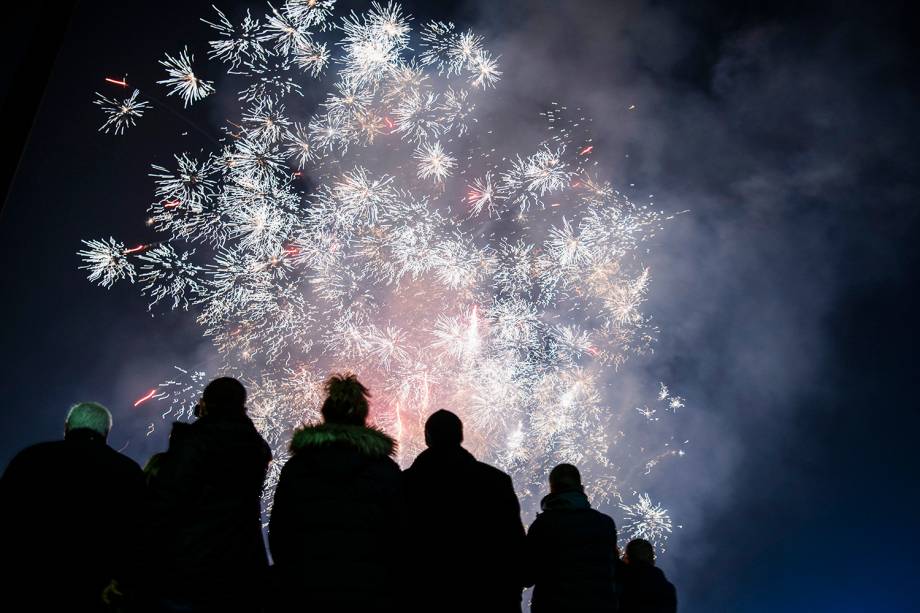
point(786, 297)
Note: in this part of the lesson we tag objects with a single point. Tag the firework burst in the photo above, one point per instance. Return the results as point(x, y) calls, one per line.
point(121, 115)
point(394, 232)
point(182, 80)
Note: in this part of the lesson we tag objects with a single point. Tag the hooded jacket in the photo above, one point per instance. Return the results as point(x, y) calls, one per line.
point(205, 533)
point(466, 530)
point(572, 556)
point(336, 522)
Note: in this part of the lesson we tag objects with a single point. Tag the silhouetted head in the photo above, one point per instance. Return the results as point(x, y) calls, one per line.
point(152, 467)
point(223, 396)
point(346, 400)
point(89, 416)
point(565, 478)
point(443, 429)
point(640, 550)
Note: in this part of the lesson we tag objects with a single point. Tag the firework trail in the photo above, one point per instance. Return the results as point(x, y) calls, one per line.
point(390, 233)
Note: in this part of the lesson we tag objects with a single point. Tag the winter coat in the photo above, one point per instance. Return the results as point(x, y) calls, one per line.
point(68, 523)
point(205, 528)
point(643, 588)
point(336, 528)
point(572, 556)
point(466, 531)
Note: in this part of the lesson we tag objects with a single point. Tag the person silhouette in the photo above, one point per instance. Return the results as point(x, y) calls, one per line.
point(642, 587)
point(466, 526)
point(571, 550)
point(338, 511)
point(206, 551)
point(68, 517)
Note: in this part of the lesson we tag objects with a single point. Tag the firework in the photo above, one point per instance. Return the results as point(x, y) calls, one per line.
point(121, 115)
point(309, 13)
point(312, 57)
point(433, 162)
point(418, 117)
point(647, 520)
point(286, 33)
point(107, 262)
point(395, 233)
point(237, 44)
point(481, 196)
point(299, 146)
point(182, 80)
point(266, 121)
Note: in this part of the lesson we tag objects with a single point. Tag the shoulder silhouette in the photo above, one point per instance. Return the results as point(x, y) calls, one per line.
point(466, 526)
point(337, 516)
point(205, 507)
point(69, 517)
point(642, 586)
point(571, 550)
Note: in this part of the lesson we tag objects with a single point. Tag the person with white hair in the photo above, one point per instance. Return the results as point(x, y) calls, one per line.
point(90, 416)
point(69, 513)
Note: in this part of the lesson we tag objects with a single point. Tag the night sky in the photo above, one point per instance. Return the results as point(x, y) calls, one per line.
point(786, 296)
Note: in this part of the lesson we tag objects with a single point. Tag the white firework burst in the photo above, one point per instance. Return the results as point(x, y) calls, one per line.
point(182, 80)
point(312, 57)
point(418, 118)
point(362, 197)
point(331, 132)
point(434, 162)
point(484, 71)
point(373, 42)
point(237, 45)
point(568, 248)
point(121, 115)
point(190, 185)
point(385, 224)
point(307, 13)
point(480, 195)
point(299, 146)
point(266, 121)
point(285, 32)
point(107, 262)
point(252, 159)
point(647, 520)
point(350, 99)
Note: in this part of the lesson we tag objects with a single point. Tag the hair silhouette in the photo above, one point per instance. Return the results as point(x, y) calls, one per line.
point(443, 429)
point(565, 477)
point(224, 395)
point(346, 400)
point(640, 550)
point(89, 416)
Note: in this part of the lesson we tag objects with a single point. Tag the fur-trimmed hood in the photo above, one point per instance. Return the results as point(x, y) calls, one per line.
point(369, 441)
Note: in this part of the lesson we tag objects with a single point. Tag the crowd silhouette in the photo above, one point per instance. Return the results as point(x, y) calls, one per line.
point(83, 528)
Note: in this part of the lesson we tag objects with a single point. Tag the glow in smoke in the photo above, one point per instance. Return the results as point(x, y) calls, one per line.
point(387, 233)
